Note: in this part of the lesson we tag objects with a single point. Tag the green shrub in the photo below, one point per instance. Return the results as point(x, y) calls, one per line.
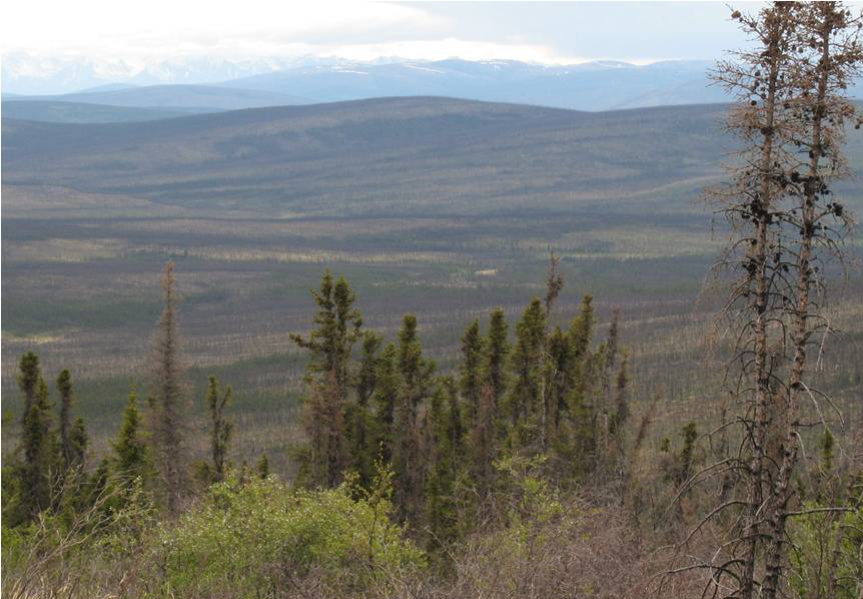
point(249, 540)
point(827, 554)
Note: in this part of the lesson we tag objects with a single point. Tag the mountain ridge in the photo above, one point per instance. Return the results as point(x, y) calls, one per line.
point(598, 85)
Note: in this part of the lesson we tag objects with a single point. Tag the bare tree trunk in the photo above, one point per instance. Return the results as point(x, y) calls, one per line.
point(801, 313)
point(763, 409)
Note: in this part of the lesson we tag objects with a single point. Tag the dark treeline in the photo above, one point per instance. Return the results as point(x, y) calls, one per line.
point(549, 398)
point(546, 397)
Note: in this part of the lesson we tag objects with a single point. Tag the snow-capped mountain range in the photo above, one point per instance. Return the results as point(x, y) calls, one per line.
point(29, 74)
point(601, 85)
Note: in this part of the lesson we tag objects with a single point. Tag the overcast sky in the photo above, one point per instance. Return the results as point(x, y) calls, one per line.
point(548, 32)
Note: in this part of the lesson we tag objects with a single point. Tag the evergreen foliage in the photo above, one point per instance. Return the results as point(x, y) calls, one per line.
point(131, 459)
point(64, 386)
point(39, 470)
point(496, 357)
point(338, 328)
point(471, 380)
point(220, 435)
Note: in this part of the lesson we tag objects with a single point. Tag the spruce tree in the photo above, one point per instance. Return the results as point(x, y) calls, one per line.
point(64, 386)
point(360, 425)
point(131, 459)
point(445, 435)
point(525, 403)
point(41, 462)
point(28, 377)
point(262, 468)
point(338, 328)
point(485, 433)
point(78, 441)
point(367, 375)
point(561, 374)
point(582, 421)
point(324, 421)
point(483, 444)
point(416, 374)
point(388, 390)
point(220, 436)
point(169, 419)
point(471, 379)
point(496, 357)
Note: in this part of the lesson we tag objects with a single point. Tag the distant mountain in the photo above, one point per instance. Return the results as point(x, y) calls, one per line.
point(108, 87)
point(187, 98)
point(74, 112)
point(592, 86)
point(28, 74)
point(595, 86)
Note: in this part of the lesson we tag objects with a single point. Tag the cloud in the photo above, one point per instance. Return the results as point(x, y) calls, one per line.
point(546, 32)
point(156, 27)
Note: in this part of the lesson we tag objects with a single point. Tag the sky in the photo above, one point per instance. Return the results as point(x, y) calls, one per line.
point(543, 32)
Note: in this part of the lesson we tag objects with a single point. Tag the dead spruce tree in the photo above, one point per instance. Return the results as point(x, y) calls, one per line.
point(786, 226)
point(168, 418)
point(829, 56)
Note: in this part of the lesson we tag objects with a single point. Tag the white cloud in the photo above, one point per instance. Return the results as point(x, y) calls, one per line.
point(440, 49)
point(158, 27)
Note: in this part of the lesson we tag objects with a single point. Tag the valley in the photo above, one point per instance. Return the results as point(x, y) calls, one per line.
point(444, 208)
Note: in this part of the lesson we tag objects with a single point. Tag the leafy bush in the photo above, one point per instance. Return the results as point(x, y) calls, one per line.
point(827, 554)
point(249, 540)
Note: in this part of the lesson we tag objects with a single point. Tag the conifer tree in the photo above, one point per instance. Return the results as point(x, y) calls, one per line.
point(338, 328)
point(388, 390)
point(446, 447)
point(363, 450)
point(64, 386)
point(791, 84)
point(582, 423)
point(262, 468)
point(28, 377)
point(483, 443)
point(471, 380)
point(455, 429)
point(367, 375)
point(416, 376)
point(169, 419)
point(131, 459)
point(497, 357)
point(525, 402)
point(561, 379)
point(220, 436)
point(325, 425)
point(581, 329)
point(39, 445)
point(78, 441)
point(488, 429)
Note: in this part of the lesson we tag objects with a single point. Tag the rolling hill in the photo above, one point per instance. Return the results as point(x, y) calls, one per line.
point(595, 86)
point(393, 156)
point(78, 112)
point(187, 98)
point(440, 207)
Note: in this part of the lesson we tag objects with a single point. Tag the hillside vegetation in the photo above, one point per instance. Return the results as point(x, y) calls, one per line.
point(444, 207)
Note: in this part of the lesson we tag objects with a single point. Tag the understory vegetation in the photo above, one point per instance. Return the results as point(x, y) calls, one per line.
point(523, 472)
